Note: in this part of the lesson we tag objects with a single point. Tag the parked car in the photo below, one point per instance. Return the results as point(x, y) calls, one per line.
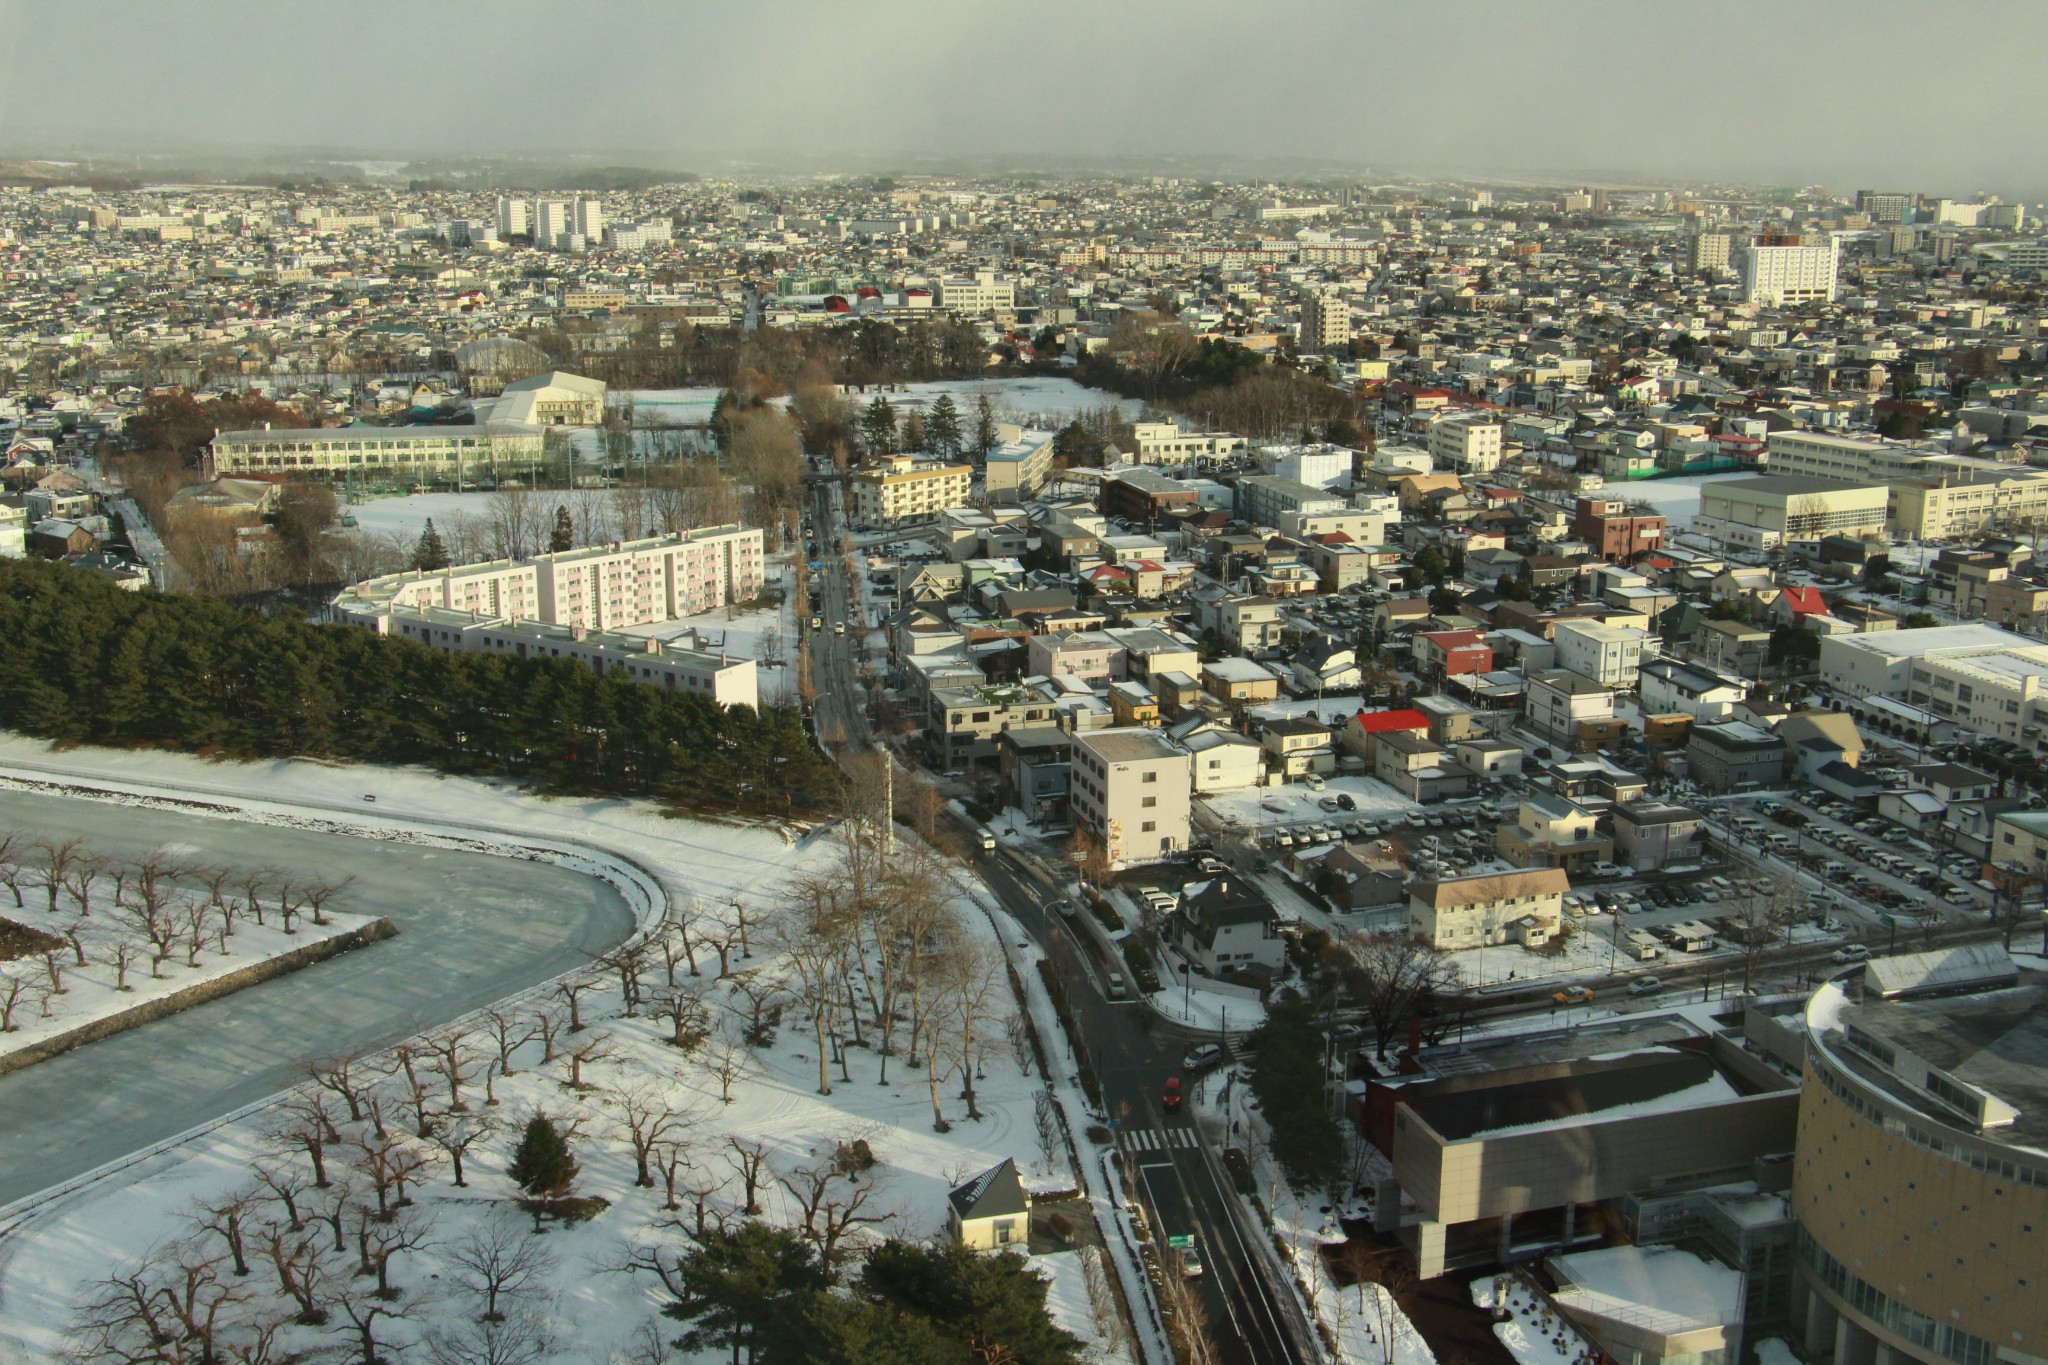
point(1345, 801)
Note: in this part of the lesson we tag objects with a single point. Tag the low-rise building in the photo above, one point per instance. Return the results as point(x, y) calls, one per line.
point(1649, 834)
point(1610, 655)
point(1763, 513)
point(1553, 831)
point(1225, 927)
point(1488, 908)
point(1668, 687)
point(1418, 768)
point(1560, 705)
point(1732, 755)
point(991, 1212)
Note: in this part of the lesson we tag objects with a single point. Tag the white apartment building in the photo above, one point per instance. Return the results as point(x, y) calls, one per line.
point(605, 587)
point(1263, 499)
point(13, 531)
point(1130, 793)
point(550, 223)
point(1707, 250)
point(1780, 269)
point(514, 217)
point(586, 220)
point(1166, 443)
point(1609, 655)
point(1467, 443)
point(983, 292)
point(723, 679)
point(903, 489)
point(1019, 467)
point(1760, 513)
point(1364, 528)
point(1325, 321)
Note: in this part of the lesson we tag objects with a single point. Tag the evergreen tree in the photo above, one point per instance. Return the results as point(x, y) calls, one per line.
point(992, 1305)
point(429, 553)
point(543, 1166)
point(942, 429)
point(563, 537)
point(915, 438)
point(878, 427)
point(984, 425)
point(737, 1283)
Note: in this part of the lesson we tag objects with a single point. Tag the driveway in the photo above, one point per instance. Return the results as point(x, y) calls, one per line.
point(472, 929)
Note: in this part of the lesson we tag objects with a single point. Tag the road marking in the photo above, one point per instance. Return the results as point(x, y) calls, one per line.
point(1160, 1139)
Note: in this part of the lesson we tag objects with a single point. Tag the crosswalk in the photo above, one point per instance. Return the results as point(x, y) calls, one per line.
point(1160, 1139)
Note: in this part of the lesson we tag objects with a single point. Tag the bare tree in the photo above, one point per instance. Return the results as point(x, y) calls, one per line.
point(350, 1077)
point(597, 1047)
point(519, 1340)
point(1760, 921)
point(730, 1059)
point(971, 975)
point(629, 963)
point(227, 1217)
point(455, 1133)
point(175, 1306)
point(689, 1018)
point(316, 896)
point(1396, 977)
point(645, 1119)
point(452, 1056)
point(358, 1309)
point(498, 1261)
point(286, 1186)
point(297, 1257)
point(79, 874)
point(408, 1058)
point(391, 1163)
point(16, 990)
point(747, 1158)
point(571, 992)
point(508, 1031)
point(548, 1023)
point(1045, 1114)
point(54, 861)
point(382, 1234)
point(832, 1202)
point(154, 920)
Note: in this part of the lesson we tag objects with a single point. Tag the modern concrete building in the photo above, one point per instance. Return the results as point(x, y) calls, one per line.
point(1262, 499)
point(982, 292)
point(903, 489)
point(1731, 755)
point(1538, 1137)
point(1763, 513)
point(604, 587)
point(1610, 655)
point(1654, 834)
point(1131, 793)
point(1881, 664)
point(1019, 466)
point(1325, 322)
point(1920, 1182)
point(1617, 530)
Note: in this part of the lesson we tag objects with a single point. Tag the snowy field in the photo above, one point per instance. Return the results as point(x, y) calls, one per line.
point(724, 1104)
point(1677, 499)
point(1016, 400)
point(403, 518)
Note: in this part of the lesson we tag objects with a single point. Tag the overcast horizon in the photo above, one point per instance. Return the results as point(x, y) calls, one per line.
point(1909, 96)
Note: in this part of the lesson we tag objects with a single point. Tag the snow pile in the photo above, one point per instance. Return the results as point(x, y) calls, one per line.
point(1534, 1332)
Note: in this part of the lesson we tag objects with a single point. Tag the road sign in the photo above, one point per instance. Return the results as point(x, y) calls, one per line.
point(1181, 1241)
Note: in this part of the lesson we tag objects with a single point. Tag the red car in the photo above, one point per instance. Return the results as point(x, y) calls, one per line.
point(1172, 1097)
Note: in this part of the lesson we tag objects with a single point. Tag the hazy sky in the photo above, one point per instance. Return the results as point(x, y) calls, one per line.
point(1944, 98)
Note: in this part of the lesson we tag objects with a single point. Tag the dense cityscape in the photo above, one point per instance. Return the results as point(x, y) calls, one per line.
point(1179, 767)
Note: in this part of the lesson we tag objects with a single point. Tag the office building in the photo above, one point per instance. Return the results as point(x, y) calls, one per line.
point(1130, 793)
point(1881, 664)
point(1885, 206)
point(1166, 443)
point(982, 292)
point(1019, 466)
point(1783, 270)
point(1920, 1176)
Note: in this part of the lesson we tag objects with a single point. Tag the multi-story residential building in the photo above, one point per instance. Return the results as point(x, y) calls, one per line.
point(1651, 834)
point(1297, 746)
point(1919, 1181)
point(1223, 760)
point(1038, 762)
point(1441, 654)
point(965, 725)
point(602, 588)
point(1707, 250)
point(550, 224)
point(1729, 755)
point(1325, 321)
point(903, 489)
point(723, 679)
point(1960, 581)
point(1763, 513)
point(1617, 530)
point(1240, 682)
point(1417, 767)
point(1783, 269)
point(1553, 831)
point(403, 457)
point(1131, 793)
point(1468, 443)
point(1610, 655)
point(1668, 687)
point(1488, 908)
point(2018, 604)
point(1145, 495)
point(1559, 705)
point(1019, 467)
point(513, 217)
point(1092, 656)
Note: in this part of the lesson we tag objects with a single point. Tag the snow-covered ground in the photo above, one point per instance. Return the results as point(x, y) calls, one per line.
point(1015, 400)
point(101, 988)
point(403, 518)
point(61, 1248)
point(1535, 1333)
point(768, 636)
point(1678, 499)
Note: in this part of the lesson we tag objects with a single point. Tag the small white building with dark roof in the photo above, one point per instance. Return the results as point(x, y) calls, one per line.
point(992, 1211)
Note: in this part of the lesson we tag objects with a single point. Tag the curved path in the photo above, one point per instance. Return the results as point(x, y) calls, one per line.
point(473, 928)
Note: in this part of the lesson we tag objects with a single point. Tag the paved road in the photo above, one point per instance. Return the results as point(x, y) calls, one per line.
point(839, 709)
point(472, 929)
point(1182, 1182)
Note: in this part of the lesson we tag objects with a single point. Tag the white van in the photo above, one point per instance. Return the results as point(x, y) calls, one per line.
point(988, 841)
